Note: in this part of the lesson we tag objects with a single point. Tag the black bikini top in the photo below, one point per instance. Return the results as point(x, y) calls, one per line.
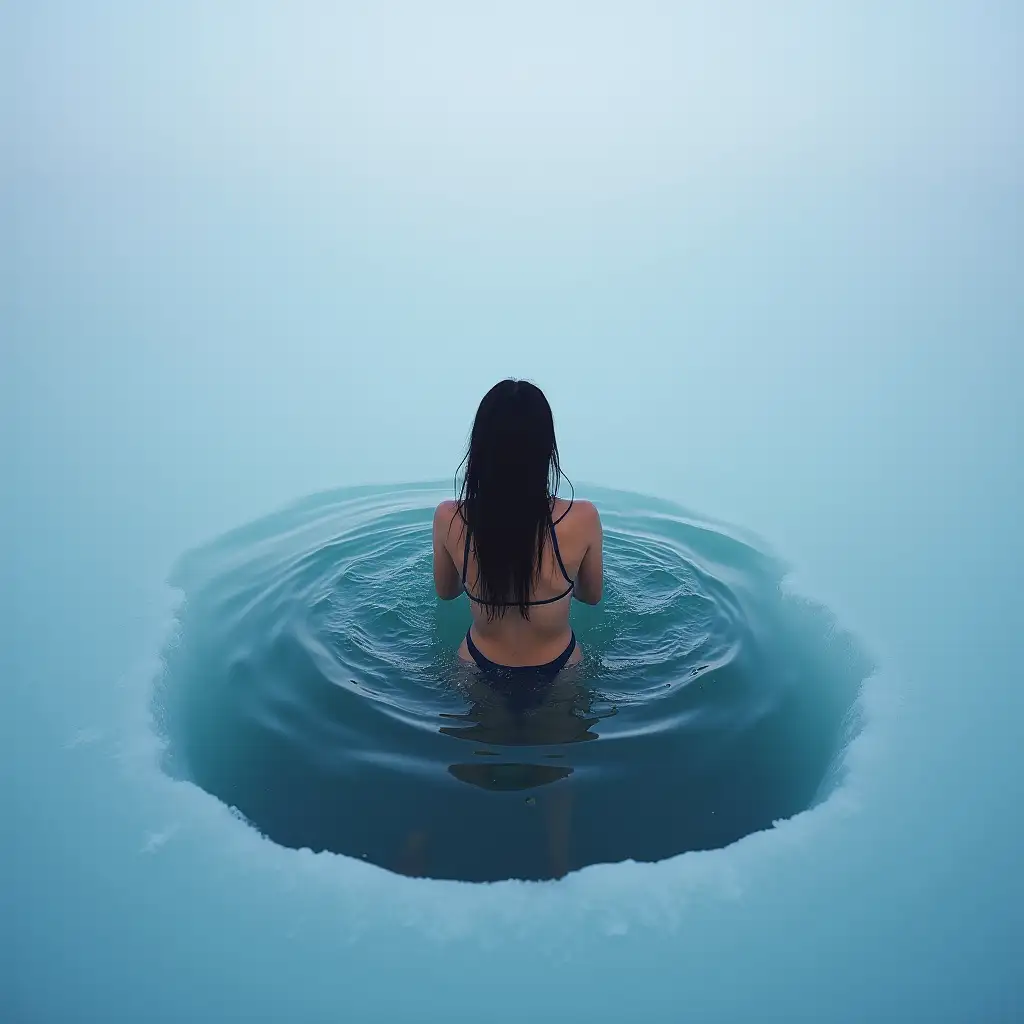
point(558, 555)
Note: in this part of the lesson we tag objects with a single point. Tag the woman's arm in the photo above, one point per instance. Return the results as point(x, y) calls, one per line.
point(447, 579)
point(590, 578)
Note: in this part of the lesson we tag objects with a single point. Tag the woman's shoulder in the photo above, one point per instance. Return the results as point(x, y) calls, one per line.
point(446, 516)
point(578, 511)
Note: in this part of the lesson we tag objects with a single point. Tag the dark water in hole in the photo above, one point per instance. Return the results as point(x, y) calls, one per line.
point(313, 685)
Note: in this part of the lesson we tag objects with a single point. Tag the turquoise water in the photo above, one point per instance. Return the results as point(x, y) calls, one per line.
point(312, 684)
point(765, 261)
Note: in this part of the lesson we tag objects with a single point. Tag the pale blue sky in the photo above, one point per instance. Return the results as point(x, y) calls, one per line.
point(546, 99)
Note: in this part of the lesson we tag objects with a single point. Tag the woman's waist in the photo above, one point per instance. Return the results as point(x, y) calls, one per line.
point(521, 647)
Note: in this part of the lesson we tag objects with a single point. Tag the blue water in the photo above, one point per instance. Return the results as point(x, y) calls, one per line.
point(765, 261)
point(312, 684)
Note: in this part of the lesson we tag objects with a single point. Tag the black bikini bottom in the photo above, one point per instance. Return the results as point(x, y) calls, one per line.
point(509, 672)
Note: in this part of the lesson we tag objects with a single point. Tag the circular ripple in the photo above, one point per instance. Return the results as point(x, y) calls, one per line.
point(313, 685)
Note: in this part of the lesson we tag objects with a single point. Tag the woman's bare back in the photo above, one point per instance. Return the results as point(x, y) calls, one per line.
point(510, 639)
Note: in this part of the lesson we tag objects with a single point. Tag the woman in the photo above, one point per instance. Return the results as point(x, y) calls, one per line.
point(519, 552)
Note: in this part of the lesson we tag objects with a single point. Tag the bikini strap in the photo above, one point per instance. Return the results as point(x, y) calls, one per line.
point(465, 559)
point(566, 512)
point(558, 554)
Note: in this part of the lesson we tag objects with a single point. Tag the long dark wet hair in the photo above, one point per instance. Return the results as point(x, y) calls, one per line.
point(512, 475)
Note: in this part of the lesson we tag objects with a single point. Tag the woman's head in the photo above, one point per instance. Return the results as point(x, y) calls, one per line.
point(512, 472)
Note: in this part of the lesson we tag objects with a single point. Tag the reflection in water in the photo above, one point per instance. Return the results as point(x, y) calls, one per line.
point(504, 776)
point(523, 715)
point(313, 686)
